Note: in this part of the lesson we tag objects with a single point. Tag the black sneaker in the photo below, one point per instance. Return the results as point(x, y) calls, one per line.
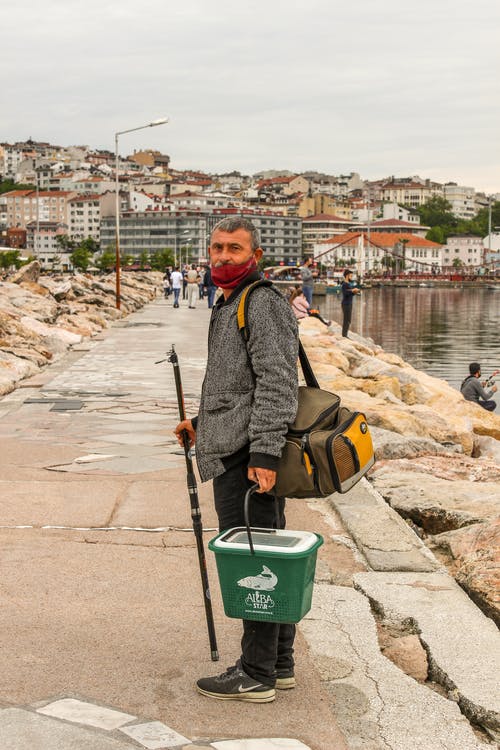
point(236, 685)
point(285, 679)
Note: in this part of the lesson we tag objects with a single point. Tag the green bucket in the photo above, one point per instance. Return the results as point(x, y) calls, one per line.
point(266, 574)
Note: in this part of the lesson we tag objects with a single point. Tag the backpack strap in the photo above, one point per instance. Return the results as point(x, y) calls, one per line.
point(242, 318)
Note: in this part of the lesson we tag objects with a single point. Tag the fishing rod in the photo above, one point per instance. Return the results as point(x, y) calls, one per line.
point(195, 506)
point(489, 380)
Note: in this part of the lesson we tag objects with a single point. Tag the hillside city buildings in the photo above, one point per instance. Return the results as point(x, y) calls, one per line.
point(339, 219)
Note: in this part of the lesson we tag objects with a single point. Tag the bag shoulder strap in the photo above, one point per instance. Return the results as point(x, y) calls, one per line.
point(242, 318)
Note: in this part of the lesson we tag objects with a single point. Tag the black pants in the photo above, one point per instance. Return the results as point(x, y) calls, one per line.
point(265, 646)
point(346, 322)
point(488, 405)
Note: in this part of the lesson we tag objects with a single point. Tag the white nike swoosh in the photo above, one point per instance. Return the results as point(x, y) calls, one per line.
point(241, 689)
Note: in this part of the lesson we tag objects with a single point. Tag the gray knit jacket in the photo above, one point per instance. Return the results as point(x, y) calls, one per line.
point(249, 394)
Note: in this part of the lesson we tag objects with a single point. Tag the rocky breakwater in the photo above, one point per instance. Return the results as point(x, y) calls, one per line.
point(42, 316)
point(438, 456)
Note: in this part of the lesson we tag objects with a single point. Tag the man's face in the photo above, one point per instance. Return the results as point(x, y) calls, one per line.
point(348, 277)
point(232, 247)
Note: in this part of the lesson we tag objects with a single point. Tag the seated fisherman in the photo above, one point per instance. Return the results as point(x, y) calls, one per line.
point(472, 389)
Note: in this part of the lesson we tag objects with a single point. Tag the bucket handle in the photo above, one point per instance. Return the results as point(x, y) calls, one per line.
point(246, 508)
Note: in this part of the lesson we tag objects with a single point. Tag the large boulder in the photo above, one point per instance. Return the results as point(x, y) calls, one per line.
point(432, 502)
point(475, 556)
point(29, 272)
point(392, 445)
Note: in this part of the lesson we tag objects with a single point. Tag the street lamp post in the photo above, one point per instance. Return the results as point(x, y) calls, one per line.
point(153, 124)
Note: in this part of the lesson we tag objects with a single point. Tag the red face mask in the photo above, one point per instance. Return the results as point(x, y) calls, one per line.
point(228, 276)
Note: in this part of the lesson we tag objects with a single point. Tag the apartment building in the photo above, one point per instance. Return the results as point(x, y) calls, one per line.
point(462, 200)
point(319, 203)
point(41, 242)
point(24, 206)
point(84, 215)
point(151, 159)
point(187, 233)
point(280, 235)
point(184, 232)
point(464, 250)
point(321, 227)
point(410, 192)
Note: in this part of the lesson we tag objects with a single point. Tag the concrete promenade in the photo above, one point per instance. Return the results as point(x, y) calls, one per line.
point(102, 625)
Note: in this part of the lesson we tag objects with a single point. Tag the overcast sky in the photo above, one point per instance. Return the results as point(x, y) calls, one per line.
point(378, 87)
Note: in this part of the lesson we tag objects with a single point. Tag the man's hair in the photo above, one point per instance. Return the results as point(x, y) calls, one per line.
point(233, 223)
point(347, 272)
point(474, 367)
point(305, 259)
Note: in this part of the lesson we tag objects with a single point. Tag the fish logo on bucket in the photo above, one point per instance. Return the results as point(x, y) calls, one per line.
point(265, 581)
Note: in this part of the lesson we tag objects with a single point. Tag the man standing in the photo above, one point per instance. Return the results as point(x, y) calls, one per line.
point(209, 286)
point(176, 279)
point(348, 292)
point(193, 279)
point(307, 280)
point(472, 389)
point(248, 400)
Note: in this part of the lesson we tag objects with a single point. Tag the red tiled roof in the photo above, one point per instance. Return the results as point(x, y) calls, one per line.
point(380, 239)
point(327, 217)
point(93, 197)
point(394, 223)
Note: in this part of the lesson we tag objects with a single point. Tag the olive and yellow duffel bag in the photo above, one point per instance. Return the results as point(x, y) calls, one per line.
point(328, 447)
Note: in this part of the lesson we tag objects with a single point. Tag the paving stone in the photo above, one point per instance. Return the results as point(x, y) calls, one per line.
point(154, 735)
point(463, 644)
point(376, 705)
point(382, 536)
point(80, 712)
point(263, 743)
point(24, 730)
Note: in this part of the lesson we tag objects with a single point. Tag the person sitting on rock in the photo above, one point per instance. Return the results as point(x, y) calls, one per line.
point(301, 308)
point(472, 389)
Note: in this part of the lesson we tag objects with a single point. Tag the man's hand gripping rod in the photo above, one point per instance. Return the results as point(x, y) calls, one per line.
point(195, 507)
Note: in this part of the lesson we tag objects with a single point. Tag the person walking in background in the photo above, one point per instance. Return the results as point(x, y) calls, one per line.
point(209, 286)
point(348, 292)
point(176, 279)
point(192, 279)
point(166, 284)
point(301, 307)
point(184, 282)
point(249, 398)
point(201, 288)
point(307, 280)
point(473, 390)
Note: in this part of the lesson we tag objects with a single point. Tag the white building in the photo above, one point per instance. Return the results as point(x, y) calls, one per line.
point(41, 242)
point(462, 200)
point(465, 250)
point(369, 252)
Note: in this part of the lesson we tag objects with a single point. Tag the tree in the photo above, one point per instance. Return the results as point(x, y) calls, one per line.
point(106, 260)
point(144, 259)
point(457, 263)
point(436, 234)
point(65, 243)
point(10, 258)
point(80, 258)
point(160, 260)
point(127, 259)
point(7, 185)
point(90, 245)
point(437, 212)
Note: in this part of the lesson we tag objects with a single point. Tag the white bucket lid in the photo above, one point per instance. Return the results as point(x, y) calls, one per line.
point(283, 541)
